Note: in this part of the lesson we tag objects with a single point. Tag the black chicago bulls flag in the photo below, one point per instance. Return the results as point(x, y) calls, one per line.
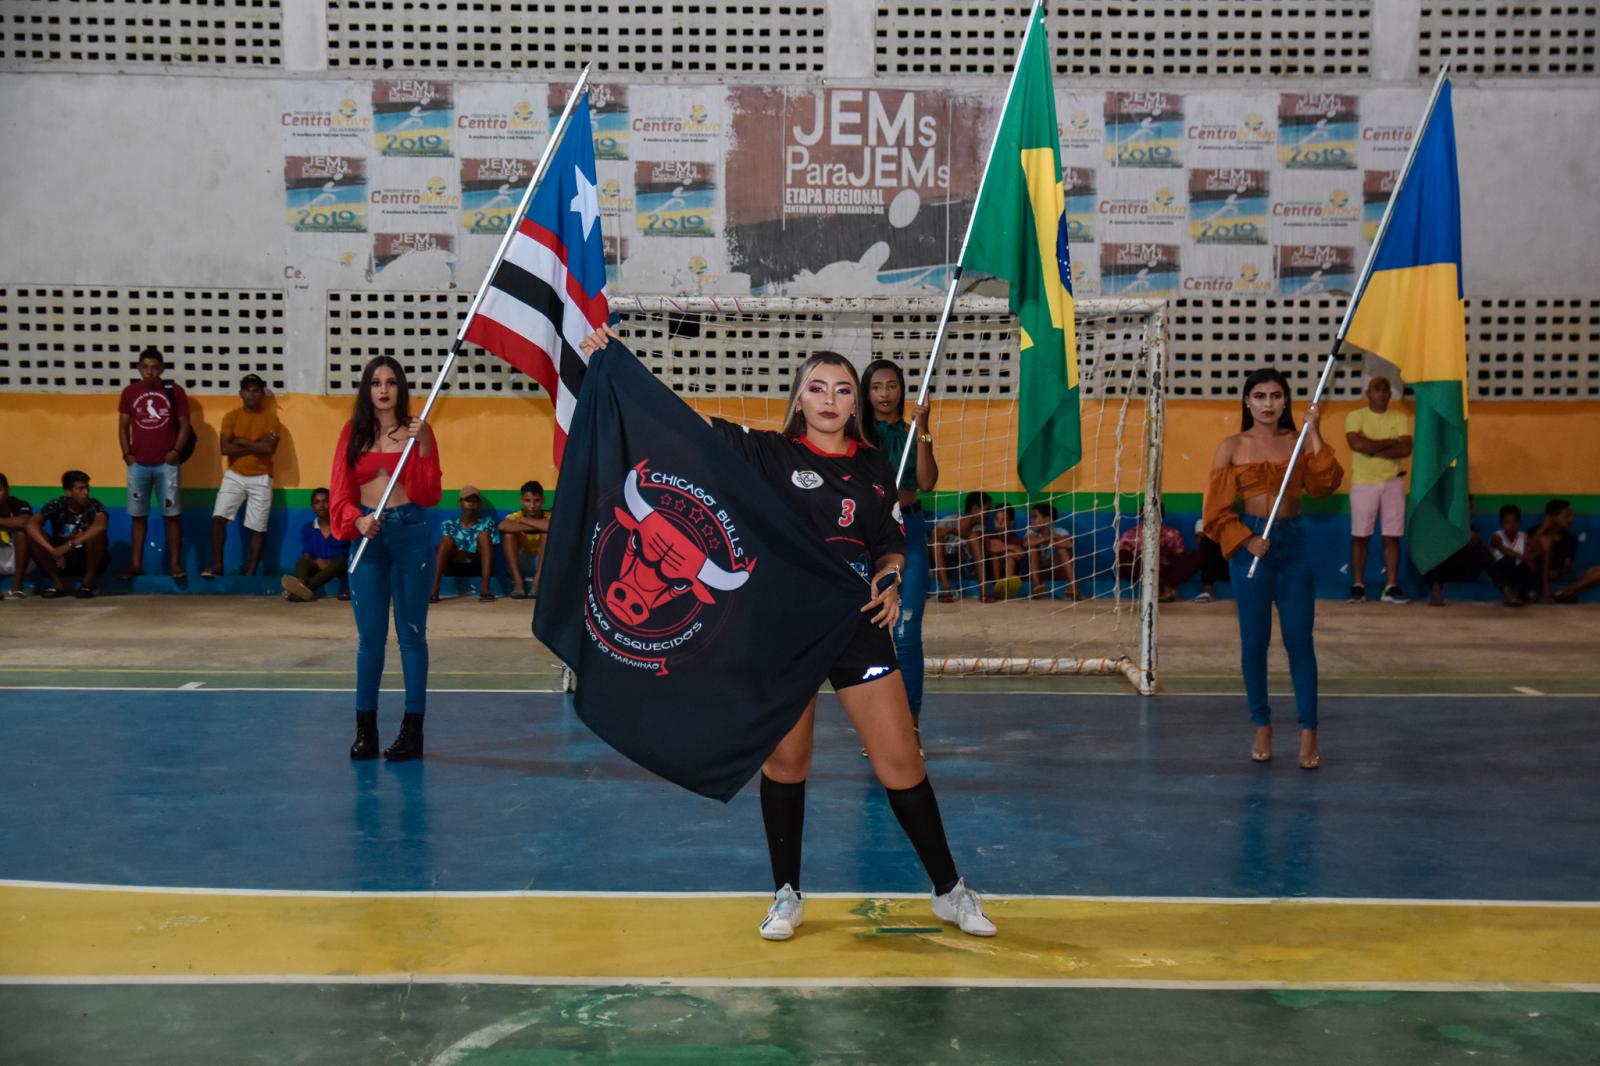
point(699, 611)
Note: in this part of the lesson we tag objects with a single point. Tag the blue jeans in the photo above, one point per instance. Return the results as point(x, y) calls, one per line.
point(913, 600)
point(1284, 577)
point(153, 482)
point(396, 567)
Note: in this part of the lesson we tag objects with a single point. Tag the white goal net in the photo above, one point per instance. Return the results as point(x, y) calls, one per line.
point(1017, 583)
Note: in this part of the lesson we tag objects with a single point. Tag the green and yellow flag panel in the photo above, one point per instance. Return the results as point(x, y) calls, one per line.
point(1412, 314)
point(1019, 233)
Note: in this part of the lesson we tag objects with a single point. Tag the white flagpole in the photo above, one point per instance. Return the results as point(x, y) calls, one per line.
point(1355, 298)
point(455, 348)
point(955, 277)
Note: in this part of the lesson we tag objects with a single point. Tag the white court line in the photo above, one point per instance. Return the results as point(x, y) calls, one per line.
point(791, 982)
point(537, 893)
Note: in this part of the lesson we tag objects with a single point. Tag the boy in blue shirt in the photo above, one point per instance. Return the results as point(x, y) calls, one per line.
point(323, 556)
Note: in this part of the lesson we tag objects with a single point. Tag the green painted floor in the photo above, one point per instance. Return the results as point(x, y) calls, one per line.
point(545, 1026)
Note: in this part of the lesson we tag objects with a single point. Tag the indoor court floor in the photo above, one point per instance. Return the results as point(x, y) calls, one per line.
point(195, 873)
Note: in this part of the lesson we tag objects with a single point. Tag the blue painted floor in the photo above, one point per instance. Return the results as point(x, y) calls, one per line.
point(1420, 797)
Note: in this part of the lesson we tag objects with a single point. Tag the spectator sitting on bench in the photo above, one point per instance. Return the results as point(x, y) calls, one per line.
point(323, 557)
point(76, 544)
point(522, 535)
point(1501, 559)
point(1552, 547)
point(981, 531)
point(1177, 563)
point(14, 540)
point(1049, 552)
point(466, 546)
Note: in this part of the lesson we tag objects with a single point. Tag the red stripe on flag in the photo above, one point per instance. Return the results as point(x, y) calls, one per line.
point(596, 309)
point(527, 357)
point(515, 349)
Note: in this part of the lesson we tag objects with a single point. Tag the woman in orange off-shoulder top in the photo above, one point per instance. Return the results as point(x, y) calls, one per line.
point(1248, 469)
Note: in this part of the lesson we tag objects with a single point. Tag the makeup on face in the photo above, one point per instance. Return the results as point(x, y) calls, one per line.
point(884, 392)
point(1266, 402)
point(828, 398)
point(384, 388)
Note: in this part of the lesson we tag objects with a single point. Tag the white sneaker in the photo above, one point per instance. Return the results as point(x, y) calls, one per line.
point(1392, 594)
point(962, 906)
point(787, 913)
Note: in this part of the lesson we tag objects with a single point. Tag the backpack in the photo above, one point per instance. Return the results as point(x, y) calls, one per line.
point(172, 402)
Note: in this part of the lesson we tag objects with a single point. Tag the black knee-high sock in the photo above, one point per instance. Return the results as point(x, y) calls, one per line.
point(918, 811)
point(783, 812)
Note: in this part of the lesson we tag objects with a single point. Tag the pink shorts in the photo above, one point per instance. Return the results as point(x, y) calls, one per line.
point(1386, 499)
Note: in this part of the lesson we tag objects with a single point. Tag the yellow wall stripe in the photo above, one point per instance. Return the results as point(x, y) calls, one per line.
point(498, 442)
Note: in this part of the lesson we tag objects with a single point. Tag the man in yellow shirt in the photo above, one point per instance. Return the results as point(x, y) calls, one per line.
point(522, 534)
point(1379, 438)
point(249, 438)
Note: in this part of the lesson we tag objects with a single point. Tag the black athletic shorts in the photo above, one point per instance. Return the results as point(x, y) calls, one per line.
point(869, 656)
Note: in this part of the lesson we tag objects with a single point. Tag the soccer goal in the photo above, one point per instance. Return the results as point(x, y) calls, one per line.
point(1020, 584)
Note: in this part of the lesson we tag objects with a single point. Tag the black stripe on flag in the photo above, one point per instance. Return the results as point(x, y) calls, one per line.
point(539, 294)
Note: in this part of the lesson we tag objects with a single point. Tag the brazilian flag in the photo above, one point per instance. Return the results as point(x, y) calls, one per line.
point(1019, 232)
point(1412, 313)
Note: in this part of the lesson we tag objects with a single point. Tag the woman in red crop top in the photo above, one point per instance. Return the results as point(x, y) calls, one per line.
point(397, 567)
point(1248, 469)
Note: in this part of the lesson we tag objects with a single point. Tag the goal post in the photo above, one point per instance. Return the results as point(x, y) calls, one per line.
point(1019, 583)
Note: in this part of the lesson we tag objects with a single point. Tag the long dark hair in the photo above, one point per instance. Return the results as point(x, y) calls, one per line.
point(869, 428)
point(364, 423)
point(794, 421)
point(1258, 377)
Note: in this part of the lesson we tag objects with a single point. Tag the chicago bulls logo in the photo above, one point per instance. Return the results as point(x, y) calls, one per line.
point(660, 567)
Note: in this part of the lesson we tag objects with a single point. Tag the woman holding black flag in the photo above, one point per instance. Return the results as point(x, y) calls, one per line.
point(823, 466)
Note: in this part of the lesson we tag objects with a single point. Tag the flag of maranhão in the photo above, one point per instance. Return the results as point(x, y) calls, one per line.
point(548, 293)
point(1019, 232)
point(1412, 314)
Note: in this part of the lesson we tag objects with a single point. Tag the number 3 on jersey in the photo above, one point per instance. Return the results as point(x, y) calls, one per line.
point(847, 512)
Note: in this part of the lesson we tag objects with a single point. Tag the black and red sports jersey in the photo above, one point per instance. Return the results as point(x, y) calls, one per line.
point(847, 497)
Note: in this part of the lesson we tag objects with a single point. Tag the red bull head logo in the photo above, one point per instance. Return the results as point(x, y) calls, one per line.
point(660, 563)
point(662, 569)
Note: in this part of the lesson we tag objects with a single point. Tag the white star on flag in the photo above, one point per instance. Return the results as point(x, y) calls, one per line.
point(586, 205)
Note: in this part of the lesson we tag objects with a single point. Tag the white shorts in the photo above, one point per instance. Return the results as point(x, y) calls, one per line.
point(1386, 499)
point(254, 493)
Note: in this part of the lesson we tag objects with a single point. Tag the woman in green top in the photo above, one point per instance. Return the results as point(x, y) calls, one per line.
point(887, 429)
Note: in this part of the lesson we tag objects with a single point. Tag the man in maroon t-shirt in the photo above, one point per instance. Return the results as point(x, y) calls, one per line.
point(152, 426)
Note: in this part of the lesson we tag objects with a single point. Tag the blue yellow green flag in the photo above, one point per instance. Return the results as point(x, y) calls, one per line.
point(1019, 233)
point(1412, 314)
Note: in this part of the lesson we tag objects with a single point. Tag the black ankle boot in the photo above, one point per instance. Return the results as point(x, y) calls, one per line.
point(408, 745)
point(366, 745)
